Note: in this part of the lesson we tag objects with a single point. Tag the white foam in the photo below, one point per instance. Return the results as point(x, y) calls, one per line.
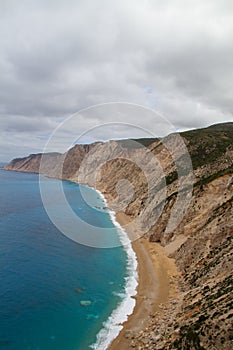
point(113, 326)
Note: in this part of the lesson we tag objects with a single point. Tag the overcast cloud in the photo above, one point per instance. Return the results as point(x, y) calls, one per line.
point(57, 57)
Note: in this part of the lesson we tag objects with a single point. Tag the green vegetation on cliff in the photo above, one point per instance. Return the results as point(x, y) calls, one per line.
point(207, 145)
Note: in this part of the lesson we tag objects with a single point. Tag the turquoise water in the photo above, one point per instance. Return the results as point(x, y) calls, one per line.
point(45, 276)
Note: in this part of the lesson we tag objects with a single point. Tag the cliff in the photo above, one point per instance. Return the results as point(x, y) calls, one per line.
point(146, 179)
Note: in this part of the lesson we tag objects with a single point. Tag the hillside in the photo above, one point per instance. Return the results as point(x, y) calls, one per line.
point(201, 244)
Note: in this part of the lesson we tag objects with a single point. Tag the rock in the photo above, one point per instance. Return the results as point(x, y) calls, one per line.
point(85, 302)
point(79, 290)
point(157, 338)
point(128, 334)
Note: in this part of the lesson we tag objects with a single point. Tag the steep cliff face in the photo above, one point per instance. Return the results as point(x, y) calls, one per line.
point(145, 178)
point(32, 162)
point(52, 164)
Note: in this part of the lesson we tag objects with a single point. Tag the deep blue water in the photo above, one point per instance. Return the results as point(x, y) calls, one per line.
point(44, 275)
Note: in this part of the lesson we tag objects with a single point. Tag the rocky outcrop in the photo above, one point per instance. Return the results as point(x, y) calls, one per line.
point(146, 180)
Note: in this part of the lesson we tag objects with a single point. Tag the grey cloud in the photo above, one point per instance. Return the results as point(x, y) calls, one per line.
point(26, 124)
point(58, 57)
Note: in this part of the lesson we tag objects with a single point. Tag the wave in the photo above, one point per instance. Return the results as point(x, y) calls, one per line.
point(113, 325)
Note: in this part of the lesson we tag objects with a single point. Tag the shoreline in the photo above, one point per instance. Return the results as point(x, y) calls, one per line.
point(113, 325)
point(157, 286)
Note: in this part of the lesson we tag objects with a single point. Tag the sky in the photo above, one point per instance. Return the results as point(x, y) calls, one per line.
point(59, 57)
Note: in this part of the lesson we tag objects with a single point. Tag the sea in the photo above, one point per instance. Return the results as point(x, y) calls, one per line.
point(56, 294)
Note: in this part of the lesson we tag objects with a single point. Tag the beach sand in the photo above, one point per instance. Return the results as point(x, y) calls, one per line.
point(156, 285)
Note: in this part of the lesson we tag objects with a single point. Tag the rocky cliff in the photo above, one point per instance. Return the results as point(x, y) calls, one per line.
point(179, 190)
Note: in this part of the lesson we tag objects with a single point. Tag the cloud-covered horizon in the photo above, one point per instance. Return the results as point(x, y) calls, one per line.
point(58, 57)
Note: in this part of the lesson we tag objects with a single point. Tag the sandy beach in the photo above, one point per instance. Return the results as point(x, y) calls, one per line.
point(156, 285)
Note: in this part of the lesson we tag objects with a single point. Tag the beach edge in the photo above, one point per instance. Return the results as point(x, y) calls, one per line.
point(155, 289)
